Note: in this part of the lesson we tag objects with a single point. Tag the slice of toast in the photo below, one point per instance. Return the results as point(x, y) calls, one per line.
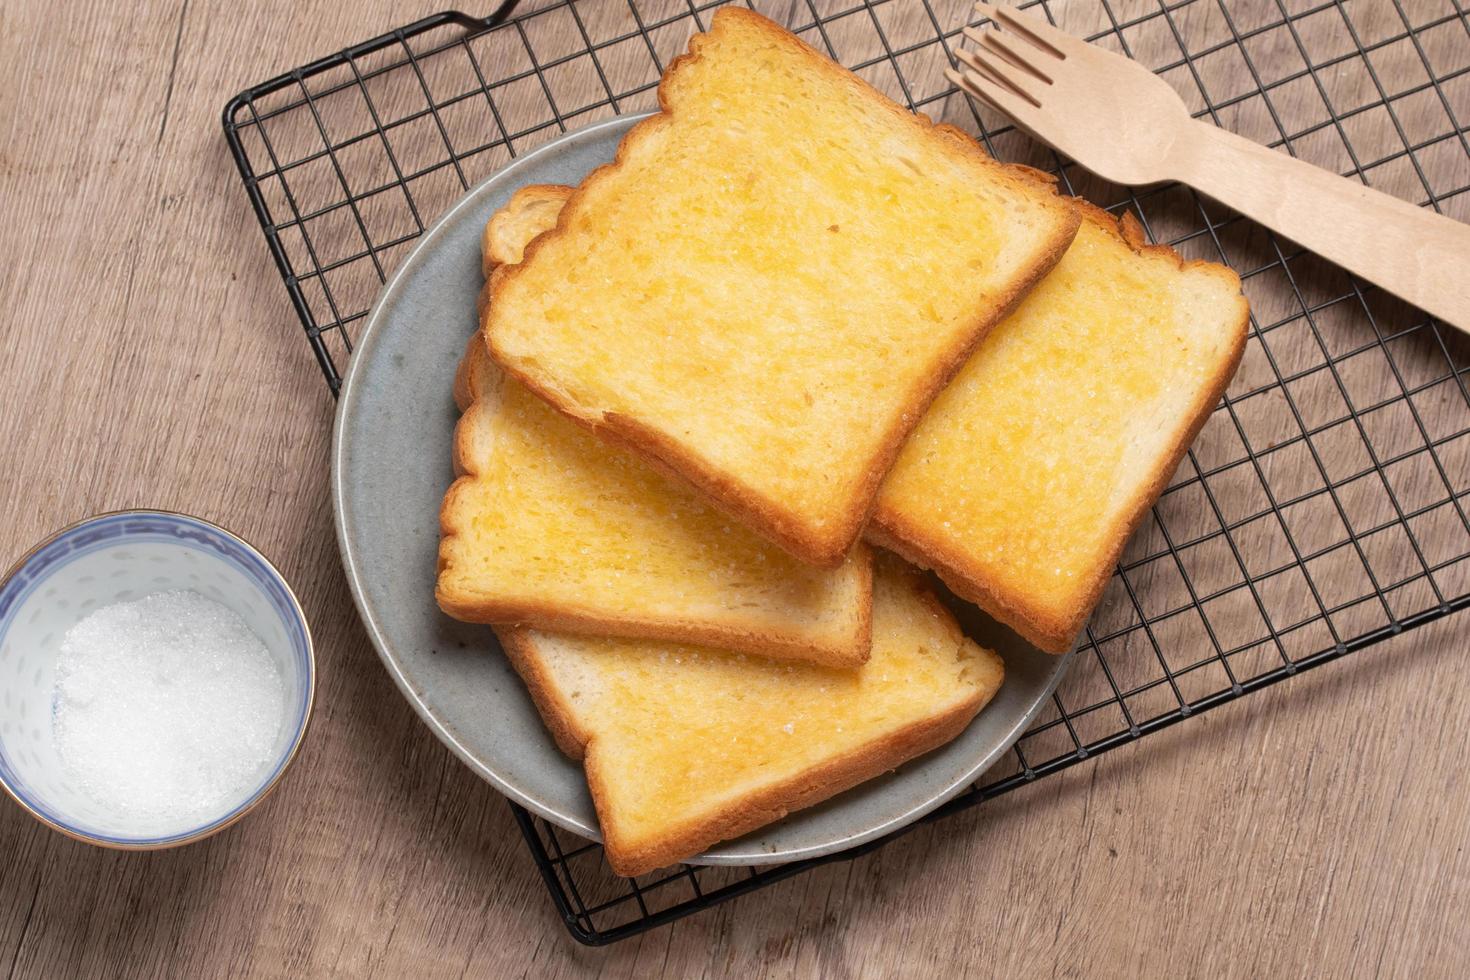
point(1027, 476)
point(773, 280)
point(685, 747)
point(549, 527)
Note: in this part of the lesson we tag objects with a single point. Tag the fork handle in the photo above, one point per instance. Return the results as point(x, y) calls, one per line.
point(1418, 255)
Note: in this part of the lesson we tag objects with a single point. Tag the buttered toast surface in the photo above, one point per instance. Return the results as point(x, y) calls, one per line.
point(551, 527)
point(685, 747)
point(1024, 480)
point(772, 282)
point(1026, 476)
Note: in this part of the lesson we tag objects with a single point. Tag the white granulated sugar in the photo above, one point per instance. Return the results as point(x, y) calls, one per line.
point(167, 709)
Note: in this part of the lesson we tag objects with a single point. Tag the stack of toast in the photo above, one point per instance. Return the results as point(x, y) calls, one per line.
point(735, 390)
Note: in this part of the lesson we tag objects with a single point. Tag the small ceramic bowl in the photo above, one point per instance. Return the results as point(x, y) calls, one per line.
point(114, 558)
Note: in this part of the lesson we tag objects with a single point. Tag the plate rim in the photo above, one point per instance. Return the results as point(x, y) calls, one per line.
point(346, 397)
point(445, 732)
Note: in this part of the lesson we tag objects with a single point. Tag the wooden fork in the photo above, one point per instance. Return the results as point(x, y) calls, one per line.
point(1126, 124)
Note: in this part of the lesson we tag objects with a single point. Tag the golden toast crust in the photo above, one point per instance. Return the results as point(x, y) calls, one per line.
point(509, 229)
point(1053, 633)
point(799, 790)
point(829, 544)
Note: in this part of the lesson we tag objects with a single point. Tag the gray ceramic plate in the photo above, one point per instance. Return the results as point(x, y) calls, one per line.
point(390, 467)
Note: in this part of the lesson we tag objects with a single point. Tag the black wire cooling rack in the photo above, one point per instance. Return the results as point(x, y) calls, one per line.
point(1323, 507)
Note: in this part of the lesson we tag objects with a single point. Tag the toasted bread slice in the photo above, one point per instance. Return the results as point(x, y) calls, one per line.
point(686, 747)
point(547, 526)
point(772, 281)
point(1027, 476)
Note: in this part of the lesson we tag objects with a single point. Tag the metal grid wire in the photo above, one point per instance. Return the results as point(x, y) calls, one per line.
point(1323, 507)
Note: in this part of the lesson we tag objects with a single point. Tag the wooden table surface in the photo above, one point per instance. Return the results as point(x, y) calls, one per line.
point(152, 360)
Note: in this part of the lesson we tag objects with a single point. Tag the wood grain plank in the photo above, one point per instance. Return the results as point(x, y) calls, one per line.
point(152, 359)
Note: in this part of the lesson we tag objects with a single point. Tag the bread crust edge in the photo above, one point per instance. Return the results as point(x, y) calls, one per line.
point(1050, 631)
point(797, 792)
point(491, 254)
point(630, 857)
point(853, 651)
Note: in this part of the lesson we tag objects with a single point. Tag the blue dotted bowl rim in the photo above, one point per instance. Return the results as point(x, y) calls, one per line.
point(106, 530)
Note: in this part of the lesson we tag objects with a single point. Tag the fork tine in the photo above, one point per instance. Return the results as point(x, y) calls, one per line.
point(1002, 72)
point(1009, 50)
point(1034, 29)
point(993, 94)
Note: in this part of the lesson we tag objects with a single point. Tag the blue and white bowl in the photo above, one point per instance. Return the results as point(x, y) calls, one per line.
point(114, 558)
